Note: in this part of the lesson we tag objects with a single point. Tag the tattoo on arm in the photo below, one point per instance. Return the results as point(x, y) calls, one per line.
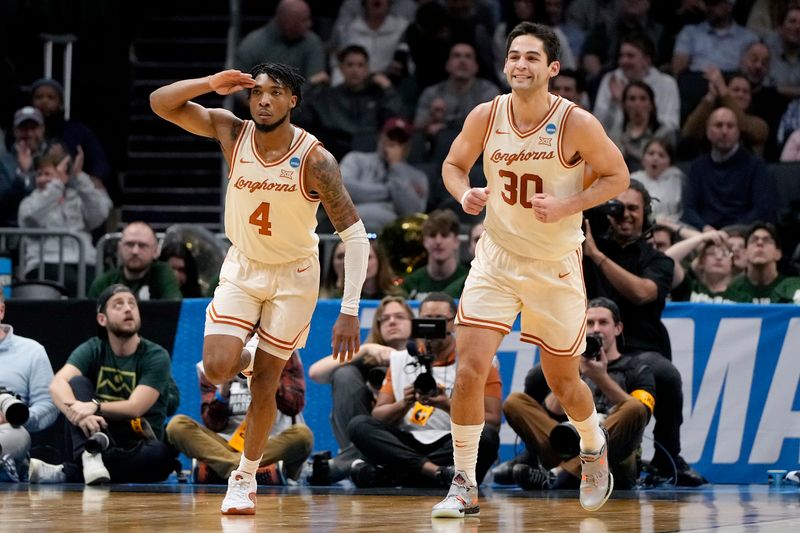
point(326, 180)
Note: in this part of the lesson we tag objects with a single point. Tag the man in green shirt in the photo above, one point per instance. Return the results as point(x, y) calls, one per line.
point(146, 277)
point(115, 391)
point(761, 283)
point(440, 239)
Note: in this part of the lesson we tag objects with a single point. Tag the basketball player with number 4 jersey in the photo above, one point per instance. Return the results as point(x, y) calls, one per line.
point(535, 148)
point(269, 282)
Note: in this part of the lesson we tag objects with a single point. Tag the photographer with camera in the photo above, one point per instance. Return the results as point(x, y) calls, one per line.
point(624, 394)
point(355, 384)
point(621, 265)
point(25, 405)
point(407, 440)
point(115, 390)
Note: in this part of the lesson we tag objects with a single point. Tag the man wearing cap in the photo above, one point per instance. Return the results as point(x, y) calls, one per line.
point(29, 143)
point(115, 390)
point(47, 95)
point(382, 183)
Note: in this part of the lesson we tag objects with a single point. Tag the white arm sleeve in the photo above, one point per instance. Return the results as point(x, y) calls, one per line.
point(356, 255)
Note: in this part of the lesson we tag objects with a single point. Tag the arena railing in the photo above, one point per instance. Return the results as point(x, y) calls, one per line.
point(19, 237)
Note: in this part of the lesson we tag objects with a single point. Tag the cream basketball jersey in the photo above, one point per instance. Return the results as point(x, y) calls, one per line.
point(518, 165)
point(269, 215)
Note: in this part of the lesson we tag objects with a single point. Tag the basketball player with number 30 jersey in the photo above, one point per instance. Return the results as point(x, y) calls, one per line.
point(269, 282)
point(535, 146)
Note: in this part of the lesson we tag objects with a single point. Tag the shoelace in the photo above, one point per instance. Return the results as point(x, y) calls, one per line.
point(240, 488)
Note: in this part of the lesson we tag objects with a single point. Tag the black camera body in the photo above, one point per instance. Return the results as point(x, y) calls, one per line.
point(427, 329)
point(594, 344)
point(598, 215)
point(14, 410)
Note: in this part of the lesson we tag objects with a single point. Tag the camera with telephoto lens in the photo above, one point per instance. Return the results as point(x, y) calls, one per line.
point(427, 329)
point(594, 343)
point(14, 410)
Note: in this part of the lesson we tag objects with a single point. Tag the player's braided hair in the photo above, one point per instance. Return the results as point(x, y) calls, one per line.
point(288, 76)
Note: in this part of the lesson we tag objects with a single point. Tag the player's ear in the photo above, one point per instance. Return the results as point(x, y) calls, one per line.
point(555, 68)
point(293, 101)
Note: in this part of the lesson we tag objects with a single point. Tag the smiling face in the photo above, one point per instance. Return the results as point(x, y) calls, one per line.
point(270, 103)
point(527, 67)
point(629, 227)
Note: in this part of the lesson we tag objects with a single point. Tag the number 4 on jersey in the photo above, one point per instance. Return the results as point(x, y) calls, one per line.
point(260, 218)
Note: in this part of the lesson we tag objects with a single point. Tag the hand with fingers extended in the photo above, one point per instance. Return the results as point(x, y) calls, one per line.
point(230, 81)
point(346, 337)
point(474, 200)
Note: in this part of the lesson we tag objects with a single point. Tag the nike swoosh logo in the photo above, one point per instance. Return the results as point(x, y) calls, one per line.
point(301, 270)
point(502, 132)
point(562, 276)
point(241, 160)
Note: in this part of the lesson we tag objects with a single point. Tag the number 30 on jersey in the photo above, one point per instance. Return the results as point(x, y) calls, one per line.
point(516, 188)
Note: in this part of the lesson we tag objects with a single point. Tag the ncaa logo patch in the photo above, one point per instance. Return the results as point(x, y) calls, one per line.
point(295, 161)
point(550, 128)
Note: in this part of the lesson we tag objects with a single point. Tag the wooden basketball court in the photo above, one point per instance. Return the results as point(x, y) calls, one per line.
point(188, 508)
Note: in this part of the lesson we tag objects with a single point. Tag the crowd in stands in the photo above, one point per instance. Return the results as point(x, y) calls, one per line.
point(703, 99)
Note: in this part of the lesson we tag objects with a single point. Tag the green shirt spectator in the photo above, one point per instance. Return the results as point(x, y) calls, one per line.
point(761, 283)
point(139, 270)
point(115, 377)
point(419, 283)
point(784, 289)
point(159, 283)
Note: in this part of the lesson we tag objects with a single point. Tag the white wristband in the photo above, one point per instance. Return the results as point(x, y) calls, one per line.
point(464, 196)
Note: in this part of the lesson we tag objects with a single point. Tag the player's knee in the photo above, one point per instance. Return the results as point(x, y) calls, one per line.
point(218, 370)
point(470, 378)
point(562, 385)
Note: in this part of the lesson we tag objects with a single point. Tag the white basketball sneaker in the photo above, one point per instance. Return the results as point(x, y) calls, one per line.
point(461, 500)
point(241, 495)
point(41, 472)
point(94, 470)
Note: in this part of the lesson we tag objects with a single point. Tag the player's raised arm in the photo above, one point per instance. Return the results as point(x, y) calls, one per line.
point(173, 103)
point(585, 136)
point(463, 153)
point(323, 176)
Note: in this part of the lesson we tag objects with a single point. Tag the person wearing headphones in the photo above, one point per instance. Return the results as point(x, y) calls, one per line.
point(623, 266)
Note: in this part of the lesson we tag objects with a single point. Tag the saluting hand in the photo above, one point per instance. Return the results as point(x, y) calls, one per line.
point(230, 81)
point(346, 337)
